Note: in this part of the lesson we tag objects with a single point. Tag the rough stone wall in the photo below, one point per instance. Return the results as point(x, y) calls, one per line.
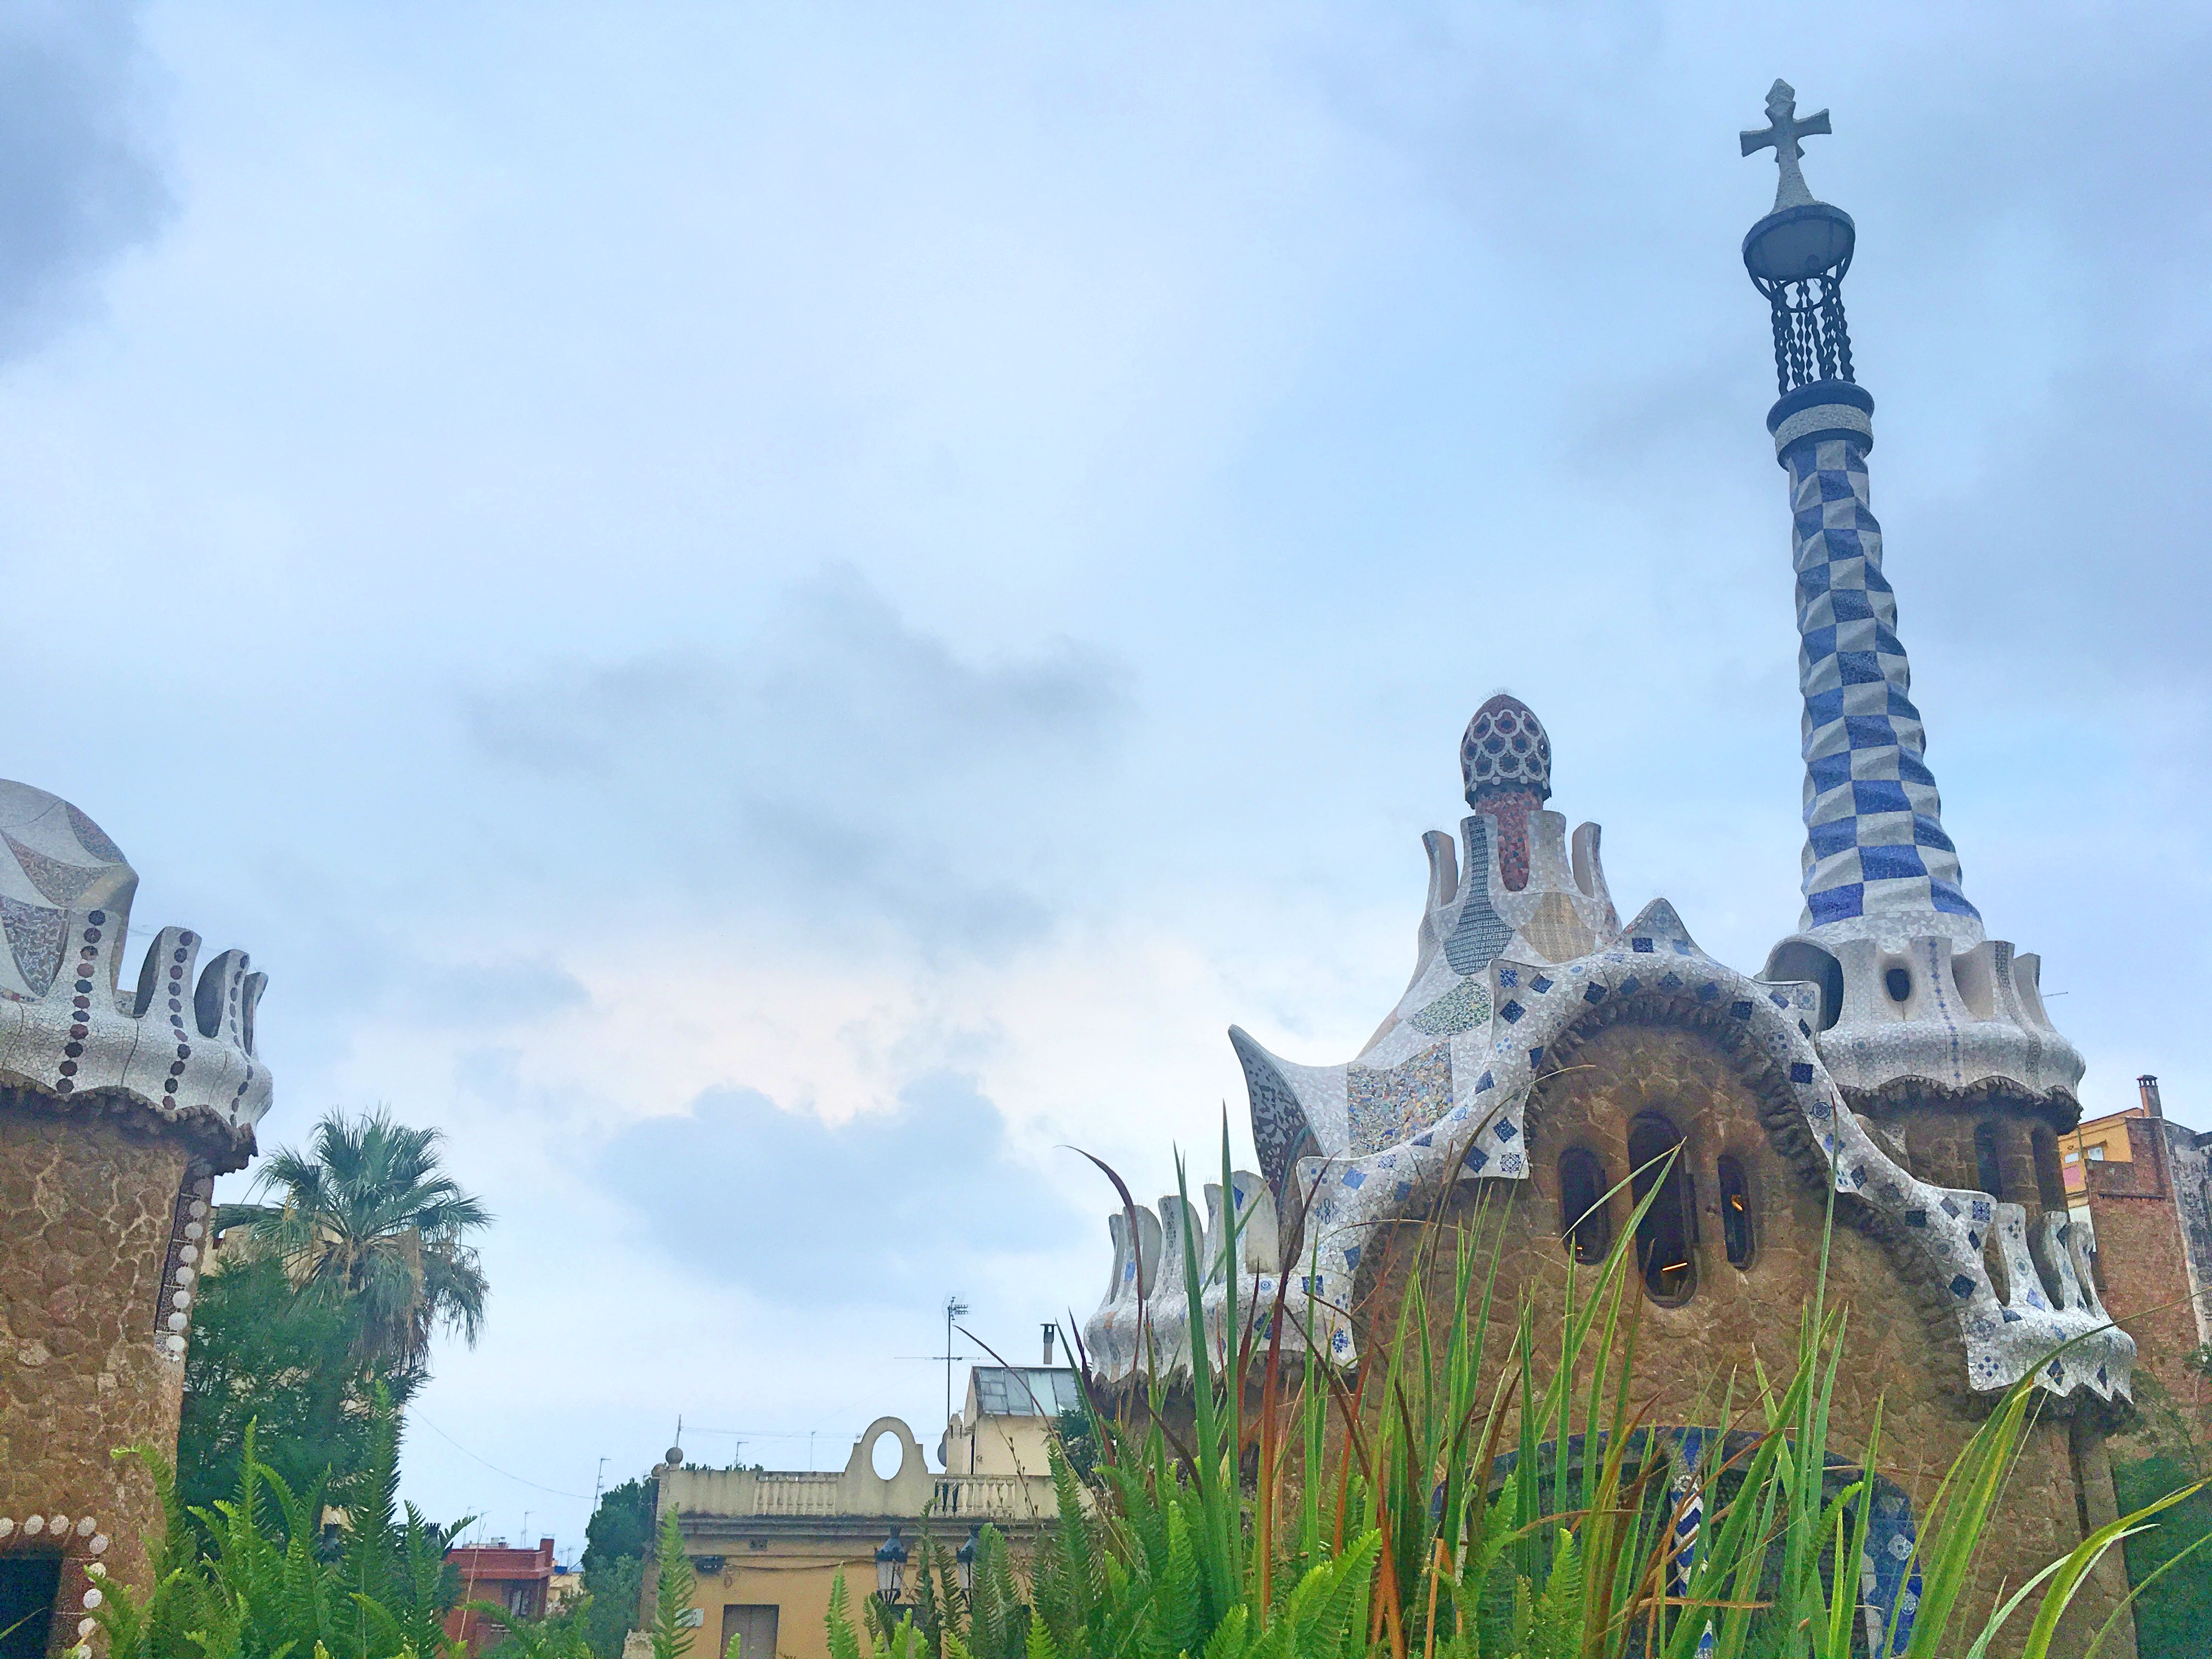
point(1901, 1346)
point(1939, 1141)
point(2142, 1258)
point(88, 1206)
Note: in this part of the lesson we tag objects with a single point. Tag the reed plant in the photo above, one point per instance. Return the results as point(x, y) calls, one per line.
point(1450, 1501)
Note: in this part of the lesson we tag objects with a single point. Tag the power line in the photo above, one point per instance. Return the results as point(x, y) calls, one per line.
point(489, 1464)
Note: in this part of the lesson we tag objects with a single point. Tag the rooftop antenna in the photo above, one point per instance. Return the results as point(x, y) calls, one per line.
point(954, 1308)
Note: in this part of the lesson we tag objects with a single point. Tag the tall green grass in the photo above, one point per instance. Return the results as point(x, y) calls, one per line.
point(1448, 1501)
point(1455, 1502)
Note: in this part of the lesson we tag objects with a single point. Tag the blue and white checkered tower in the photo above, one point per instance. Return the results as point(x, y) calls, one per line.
point(1876, 852)
point(1887, 929)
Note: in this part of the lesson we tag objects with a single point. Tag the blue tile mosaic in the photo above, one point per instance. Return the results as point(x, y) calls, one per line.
point(1870, 801)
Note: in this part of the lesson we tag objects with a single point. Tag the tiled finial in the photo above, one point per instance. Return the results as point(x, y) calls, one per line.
point(1505, 748)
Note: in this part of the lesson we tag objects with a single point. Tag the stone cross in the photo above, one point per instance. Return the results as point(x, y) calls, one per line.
point(1783, 131)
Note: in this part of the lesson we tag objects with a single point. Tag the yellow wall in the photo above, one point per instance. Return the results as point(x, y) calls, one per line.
point(782, 1537)
point(794, 1576)
point(998, 1445)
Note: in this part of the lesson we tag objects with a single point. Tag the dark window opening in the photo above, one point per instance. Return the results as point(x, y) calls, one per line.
point(1801, 961)
point(1663, 1236)
point(1989, 1169)
point(1899, 983)
point(1831, 992)
point(2049, 1177)
point(1735, 1210)
point(1585, 1222)
point(29, 1584)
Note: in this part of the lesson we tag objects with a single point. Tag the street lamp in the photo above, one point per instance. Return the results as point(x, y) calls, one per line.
point(890, 1568)
point(963, 1559)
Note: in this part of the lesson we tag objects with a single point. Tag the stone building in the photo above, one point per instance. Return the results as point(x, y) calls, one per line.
point(2140, 1185)
point(1889, 1049)
point(121, 1099)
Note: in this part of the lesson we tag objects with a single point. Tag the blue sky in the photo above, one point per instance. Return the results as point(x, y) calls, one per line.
point(770, 613)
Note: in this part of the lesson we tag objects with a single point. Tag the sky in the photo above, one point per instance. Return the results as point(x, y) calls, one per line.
point(773, 615)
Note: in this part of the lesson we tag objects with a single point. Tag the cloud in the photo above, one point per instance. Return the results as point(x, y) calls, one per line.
point(490, 995)
point(882, 1208)
point(839, 763)
point(83, 183)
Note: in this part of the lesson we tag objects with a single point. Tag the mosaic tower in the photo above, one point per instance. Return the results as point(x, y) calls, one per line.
point(1875, 847)
point(1912, 987)
point(1545, 1055)
point(120, 1101)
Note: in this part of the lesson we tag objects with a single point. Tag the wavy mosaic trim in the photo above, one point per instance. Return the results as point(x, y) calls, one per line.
point(1481, 1135)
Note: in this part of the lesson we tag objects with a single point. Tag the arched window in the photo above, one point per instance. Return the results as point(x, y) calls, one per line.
point(1989, 1171)
point(1735, 1210)
point(1585, 1221)
point(1662, 1237)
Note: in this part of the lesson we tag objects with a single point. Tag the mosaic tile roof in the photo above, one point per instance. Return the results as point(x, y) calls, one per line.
point(180, 1045)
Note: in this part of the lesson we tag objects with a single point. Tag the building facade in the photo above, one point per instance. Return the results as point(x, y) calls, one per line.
point(2142, 1186)
point(1006, 1422)
point(1889, 1051)
point(122, 1097)
point(520, 1581)
point(766, 1545)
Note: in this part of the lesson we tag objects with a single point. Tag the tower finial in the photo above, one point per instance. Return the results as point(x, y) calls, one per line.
point(1782, 132)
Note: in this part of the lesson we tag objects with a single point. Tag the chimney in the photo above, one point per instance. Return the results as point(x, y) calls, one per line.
point(1051, 1335)
point(2149, 1084)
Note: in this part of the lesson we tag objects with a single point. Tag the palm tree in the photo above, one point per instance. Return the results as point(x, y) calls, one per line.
point(369, 1218)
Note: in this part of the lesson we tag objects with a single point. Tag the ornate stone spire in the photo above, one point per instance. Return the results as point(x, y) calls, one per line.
point(1910, 987)
point(1876, 850)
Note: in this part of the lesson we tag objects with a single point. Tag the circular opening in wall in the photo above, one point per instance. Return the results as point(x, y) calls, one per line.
point(1899, 983)
point(886, 1454)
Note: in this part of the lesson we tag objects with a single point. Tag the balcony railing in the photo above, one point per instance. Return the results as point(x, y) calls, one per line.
point(743, 1493)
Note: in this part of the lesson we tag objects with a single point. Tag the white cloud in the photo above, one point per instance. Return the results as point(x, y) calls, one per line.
point(632, 556)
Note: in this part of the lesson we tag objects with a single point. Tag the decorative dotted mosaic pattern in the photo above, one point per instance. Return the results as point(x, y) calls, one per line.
point(1875, 838)
point(1464, 1007)
point(1389, 1106)
point(176, 1045)
point(1477, 933)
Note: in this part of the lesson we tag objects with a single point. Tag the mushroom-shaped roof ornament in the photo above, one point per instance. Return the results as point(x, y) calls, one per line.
point(1505, 748)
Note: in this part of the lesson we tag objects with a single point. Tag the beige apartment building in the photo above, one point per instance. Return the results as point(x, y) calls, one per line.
point(766, 1545)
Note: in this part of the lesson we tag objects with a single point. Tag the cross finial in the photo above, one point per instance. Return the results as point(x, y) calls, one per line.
point(1783, 131)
